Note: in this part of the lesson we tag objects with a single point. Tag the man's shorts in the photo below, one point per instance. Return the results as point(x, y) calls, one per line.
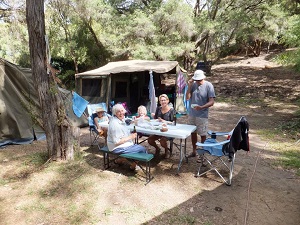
point(200, 123)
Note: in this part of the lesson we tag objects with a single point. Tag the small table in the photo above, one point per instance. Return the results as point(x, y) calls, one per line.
point(180, 131)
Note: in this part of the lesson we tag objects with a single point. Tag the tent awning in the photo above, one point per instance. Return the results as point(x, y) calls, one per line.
point(130, 66)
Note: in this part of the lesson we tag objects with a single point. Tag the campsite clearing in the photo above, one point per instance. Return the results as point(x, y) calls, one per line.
point(80, 192)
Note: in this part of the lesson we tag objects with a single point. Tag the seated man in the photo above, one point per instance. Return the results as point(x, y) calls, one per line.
point(119, 138)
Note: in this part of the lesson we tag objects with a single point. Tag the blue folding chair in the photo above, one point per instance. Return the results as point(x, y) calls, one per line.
point(216, 154)
point(94, 134)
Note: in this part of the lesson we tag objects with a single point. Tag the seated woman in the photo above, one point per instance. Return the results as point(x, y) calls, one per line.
point(101, 117)
point(163, 113)
point(119, 138)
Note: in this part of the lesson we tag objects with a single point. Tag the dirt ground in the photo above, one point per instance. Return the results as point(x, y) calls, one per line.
point(261, 193)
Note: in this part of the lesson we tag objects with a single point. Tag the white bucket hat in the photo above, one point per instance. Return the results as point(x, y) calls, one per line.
point(198, 75)
point(100, 109)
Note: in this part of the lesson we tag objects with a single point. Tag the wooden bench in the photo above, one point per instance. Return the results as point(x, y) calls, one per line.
point(136, 157)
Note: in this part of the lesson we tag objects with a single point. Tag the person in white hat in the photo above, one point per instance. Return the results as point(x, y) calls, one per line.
point(201, 94)
point(101, 117)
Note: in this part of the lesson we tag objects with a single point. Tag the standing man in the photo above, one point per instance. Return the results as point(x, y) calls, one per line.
point(201, 94)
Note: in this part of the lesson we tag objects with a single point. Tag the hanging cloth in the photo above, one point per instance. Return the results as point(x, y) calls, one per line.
point(79, 104)
point(180, 82)
point(152, 98)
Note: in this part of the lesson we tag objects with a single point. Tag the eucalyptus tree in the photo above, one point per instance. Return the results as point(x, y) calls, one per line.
point(58, 129)
point(101, 31)
point(262, 24)
point(154, 33)
point(129, 6)
point(5, 9)
point(243, 24)
point(13, 32)
point(292, 6)
point(174, 28)
point(292, 35)
point(63, 27)
point(291, 38)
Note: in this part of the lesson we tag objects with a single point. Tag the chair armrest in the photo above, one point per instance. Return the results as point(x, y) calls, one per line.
point(212, 144)
point(218, 133)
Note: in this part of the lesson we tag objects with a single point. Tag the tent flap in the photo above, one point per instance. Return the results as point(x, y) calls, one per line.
point(19, 103)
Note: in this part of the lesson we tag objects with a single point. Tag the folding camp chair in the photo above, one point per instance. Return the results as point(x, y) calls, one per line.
point(94, 134)
point(216, 154)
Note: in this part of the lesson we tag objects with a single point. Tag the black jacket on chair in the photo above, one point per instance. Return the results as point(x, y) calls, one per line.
point(239, 138)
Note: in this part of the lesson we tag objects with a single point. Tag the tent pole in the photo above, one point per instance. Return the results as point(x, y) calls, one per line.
point(108, 95)
point(175, 93)
point(175, 90)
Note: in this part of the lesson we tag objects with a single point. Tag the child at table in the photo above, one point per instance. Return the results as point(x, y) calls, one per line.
point(142, 114)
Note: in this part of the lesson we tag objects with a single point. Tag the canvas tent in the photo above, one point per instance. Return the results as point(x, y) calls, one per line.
point(126, 81)
point(19, 101)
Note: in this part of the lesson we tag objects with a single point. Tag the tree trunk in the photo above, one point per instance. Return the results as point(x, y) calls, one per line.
point(59, 132)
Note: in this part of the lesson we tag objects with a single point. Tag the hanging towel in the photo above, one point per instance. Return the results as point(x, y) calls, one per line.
point(79, 104)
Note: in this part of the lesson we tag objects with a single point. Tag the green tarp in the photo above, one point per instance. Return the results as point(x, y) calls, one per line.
point(18, 101)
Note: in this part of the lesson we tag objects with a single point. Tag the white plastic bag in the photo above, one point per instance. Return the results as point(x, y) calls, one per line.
point(144, 123)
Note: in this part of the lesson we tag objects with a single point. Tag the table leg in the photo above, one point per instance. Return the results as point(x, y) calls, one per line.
point(181, 156)
point(186, 158)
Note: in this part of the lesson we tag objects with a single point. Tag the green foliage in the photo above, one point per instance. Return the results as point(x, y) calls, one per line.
point(37, 159)
point(67, 79)
point(229, 27)
point(13, 35)
point(289, 153)
point(291, 127)
point(78, 156)
point(66, 74)
point(89, 33)
point(292, 32)
point(152, 33)
point(289, 58)
point(285, 58)
point(3, 181)
point(291, 39)
point(174, 29)
point(291, 159)
point(123, 6)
